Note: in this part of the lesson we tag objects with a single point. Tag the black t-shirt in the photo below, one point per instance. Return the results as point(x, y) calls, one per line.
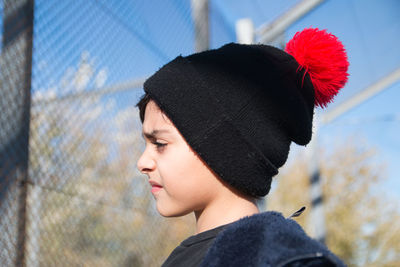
point(193, 249)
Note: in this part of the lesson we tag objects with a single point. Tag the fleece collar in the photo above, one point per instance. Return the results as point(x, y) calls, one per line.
point(266, 239)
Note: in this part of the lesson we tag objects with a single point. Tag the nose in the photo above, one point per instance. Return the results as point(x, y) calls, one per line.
point(145, 164)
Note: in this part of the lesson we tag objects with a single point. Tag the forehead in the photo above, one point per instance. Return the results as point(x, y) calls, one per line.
point(155, 118)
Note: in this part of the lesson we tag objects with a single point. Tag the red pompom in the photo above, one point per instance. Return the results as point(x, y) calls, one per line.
point(323, 56)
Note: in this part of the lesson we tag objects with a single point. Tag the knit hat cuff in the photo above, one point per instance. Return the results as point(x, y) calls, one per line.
point(224, 160)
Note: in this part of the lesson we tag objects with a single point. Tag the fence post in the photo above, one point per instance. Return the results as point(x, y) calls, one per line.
point(15, 79)
point(317, 215)
point(200, 19)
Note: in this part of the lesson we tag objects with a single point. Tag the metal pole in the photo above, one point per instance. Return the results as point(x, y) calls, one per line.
point(269, 32)
point(245, 31)
point(317, 214)
point(200, 18)
point(115, 88)
point(16, 69)
point(362, 96)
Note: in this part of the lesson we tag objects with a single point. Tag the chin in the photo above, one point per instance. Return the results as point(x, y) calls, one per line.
point(171, 212)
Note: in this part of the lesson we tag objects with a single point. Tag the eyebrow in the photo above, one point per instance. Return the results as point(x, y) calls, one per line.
point(153, 134)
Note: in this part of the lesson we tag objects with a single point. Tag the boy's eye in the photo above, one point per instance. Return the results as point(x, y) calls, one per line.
point(159, 145)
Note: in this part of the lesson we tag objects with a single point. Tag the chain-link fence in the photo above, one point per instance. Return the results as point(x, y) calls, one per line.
point(71, 72)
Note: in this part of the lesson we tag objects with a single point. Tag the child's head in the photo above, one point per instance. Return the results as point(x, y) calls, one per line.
point(237, 109)
point(188, 184)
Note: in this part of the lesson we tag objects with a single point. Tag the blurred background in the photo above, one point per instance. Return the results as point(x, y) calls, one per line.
point(71, 72)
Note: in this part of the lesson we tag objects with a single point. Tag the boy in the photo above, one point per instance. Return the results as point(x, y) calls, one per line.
point(218, 125)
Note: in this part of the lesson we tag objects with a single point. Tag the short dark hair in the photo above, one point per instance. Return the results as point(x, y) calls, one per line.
point(143, 101)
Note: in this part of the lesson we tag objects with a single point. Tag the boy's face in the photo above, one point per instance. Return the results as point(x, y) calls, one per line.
point(187, 183)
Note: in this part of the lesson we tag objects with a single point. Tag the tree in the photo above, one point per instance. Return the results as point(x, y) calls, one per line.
point(361, 225)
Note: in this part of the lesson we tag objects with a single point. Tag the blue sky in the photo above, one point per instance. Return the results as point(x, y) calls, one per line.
point(132, 39)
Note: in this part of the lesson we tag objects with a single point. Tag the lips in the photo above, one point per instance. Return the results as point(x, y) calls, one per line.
point(153, 183)
point(155, 187)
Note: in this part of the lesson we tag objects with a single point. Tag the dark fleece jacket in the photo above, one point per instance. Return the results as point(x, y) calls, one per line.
point(267, 239)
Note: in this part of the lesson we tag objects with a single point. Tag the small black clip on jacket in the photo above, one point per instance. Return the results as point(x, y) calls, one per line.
point(297, 213)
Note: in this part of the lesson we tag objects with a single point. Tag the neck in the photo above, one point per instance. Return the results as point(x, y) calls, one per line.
point(224, 210)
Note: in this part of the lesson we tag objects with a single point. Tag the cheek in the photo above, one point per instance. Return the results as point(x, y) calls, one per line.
point(185, 175)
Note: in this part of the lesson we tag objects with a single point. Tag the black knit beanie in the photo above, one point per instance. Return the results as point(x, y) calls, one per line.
point(240, 106)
